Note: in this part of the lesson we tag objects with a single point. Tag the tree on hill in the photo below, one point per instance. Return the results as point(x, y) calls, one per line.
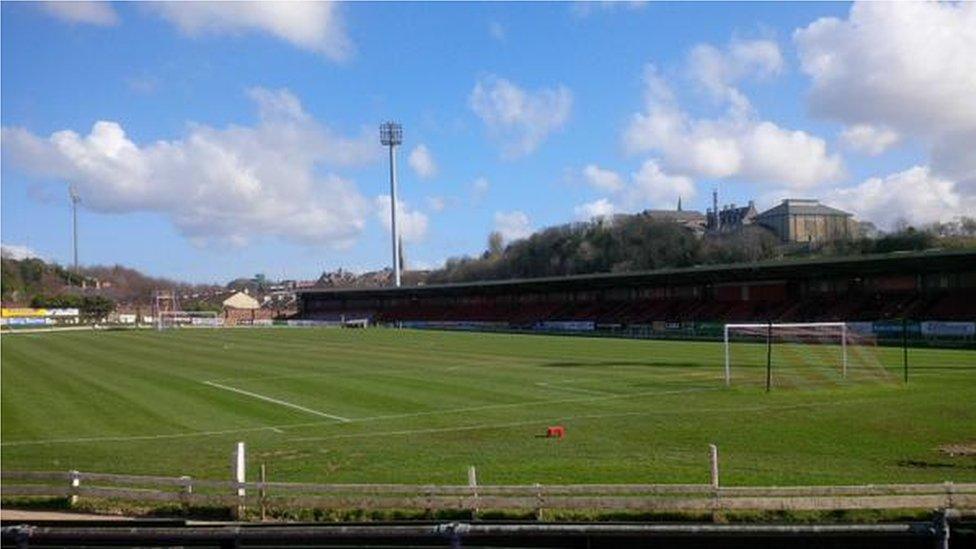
point(91, 307)
point(639, 242)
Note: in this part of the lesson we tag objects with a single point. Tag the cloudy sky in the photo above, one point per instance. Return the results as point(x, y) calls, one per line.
point(211, 140)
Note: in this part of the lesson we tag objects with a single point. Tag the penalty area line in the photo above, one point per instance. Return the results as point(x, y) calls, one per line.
point(276, 401)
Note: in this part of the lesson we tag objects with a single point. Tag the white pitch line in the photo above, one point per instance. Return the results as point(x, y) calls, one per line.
point(572, 389)
point(672, 411)
point(276, 401)
point(556, 419)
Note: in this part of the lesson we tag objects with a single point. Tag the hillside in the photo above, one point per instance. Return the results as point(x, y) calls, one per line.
point(28, 280)
point(640, 243)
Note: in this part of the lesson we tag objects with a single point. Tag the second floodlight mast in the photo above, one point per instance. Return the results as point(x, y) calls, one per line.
point(75, 199)
point(391, 135)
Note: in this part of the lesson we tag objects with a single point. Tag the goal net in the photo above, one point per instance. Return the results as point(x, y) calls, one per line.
point(800, 354)
point(188, 319)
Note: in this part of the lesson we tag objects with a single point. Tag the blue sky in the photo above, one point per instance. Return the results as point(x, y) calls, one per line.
point(210, 141)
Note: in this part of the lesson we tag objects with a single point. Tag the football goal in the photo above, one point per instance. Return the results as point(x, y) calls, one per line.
point(188, 319)
point(800, 353)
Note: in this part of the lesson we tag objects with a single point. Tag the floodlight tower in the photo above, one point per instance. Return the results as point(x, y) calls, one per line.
point(391, 135)
point(75, 199)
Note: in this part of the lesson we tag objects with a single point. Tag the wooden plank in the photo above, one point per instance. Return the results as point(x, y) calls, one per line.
point(866, 490)
point(126, 493)
point(35, 490)
point(35, 475)
point(462, 490)
point(131, 479)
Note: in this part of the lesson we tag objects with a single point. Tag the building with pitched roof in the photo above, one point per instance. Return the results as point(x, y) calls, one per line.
point(731, 217)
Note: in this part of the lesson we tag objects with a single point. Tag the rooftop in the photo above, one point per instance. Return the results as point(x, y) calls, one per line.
point(803, 206)
point(930, 261)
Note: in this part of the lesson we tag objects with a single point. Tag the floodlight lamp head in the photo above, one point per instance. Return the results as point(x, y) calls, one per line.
point(391, 134)
point(73, 193)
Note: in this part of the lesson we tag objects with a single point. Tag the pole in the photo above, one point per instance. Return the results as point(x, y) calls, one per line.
point(728, 366)
point(393, 216)
point(74, 229)
point(473, 483)
point(843, 346)
point(264, 493)
point(904, 347)
point(239, 478)
point(714, 458)
point(769, 355)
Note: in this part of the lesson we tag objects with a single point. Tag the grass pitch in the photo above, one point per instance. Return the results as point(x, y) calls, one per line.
point(377, 405)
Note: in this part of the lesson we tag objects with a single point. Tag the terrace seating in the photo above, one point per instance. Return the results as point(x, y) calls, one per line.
point(849, 307)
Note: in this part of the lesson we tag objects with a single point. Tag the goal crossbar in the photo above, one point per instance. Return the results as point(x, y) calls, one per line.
point(770, 326)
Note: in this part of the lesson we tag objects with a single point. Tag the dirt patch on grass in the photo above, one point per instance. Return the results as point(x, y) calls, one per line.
point(959, 449)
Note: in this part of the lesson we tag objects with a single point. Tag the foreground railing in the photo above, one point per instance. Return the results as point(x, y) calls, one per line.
point(537, 498)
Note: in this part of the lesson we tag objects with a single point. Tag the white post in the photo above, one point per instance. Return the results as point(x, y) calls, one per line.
point(714, 459)
point(187, 492)
point(843, 346)
point(473, 483)
point(728, 366)
point(75, 482)
point(239, 477)
point(239, 472)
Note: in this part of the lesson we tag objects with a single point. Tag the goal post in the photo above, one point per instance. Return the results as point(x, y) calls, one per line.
point(188, 319)
point(796, 333)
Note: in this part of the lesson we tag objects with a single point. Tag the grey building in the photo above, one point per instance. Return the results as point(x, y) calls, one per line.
point(731, 217)
point(807, 220)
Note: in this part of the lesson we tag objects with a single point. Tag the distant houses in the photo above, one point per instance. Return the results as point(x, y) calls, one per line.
point(794, 220)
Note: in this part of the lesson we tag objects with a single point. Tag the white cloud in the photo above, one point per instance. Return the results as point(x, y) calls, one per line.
point(652, 187)
point(719, 70)
point(907, 66)
point(480, 188)
point(649, 187)
point(436, 203)
point(92, 13)
point(144, 84)
point(422, 162)
point(216, 185)
point(521, 119)
point(18, 252)
point(604, 180)
point(596, 209)
point(497, 31)
point(312, 26)
point(583, 9)
point(867, 139)
point(411, 224)
point(914, 195)
point(737, 144)
point(513, 225)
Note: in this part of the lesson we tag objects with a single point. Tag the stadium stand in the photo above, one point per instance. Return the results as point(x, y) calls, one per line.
point(925, 285)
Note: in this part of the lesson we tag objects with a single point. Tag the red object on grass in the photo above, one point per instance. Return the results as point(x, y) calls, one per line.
point(556, 431)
